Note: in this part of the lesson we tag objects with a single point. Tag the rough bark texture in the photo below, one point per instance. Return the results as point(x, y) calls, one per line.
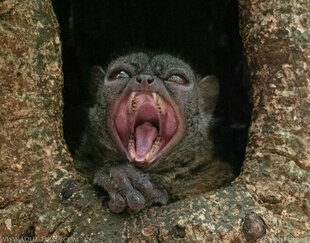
point(42, 196)
point(276, 36)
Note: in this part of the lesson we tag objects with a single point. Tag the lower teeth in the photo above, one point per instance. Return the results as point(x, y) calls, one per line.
point(155, 148)
point(131, 146)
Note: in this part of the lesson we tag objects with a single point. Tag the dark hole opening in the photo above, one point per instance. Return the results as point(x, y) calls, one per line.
point(204, 33)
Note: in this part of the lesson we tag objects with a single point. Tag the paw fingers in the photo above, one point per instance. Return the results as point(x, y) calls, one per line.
point(132, 198)
point(139, 180)
point(129, 189)
point(117, 203)
point(120, 181)
point(135, 201)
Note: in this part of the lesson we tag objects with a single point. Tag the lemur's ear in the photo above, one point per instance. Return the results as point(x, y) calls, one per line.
point(97, 76)
point(209, 90)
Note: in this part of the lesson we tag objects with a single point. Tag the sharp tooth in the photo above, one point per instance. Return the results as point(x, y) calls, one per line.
point(131, 146)
point(131, 107)
point(163, 106)
point(155, 95)
point(158, 140)
point(157, 99)
point(160, 102)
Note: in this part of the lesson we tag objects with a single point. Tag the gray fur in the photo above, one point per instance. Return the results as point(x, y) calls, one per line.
point(187, 169)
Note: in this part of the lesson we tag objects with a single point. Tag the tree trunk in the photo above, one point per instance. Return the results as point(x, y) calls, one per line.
point(42, 196)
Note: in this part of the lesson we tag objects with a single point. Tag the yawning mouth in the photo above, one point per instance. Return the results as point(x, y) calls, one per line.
point(145, 125)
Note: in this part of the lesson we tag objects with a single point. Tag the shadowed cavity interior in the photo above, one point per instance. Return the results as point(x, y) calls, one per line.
point(204, 33)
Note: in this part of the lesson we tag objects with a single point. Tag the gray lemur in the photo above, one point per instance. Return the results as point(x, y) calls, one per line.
point(148, 136)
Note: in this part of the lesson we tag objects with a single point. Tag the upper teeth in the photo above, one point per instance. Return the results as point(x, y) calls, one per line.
point(131, 102)
point(160, 102)
point(136, 101)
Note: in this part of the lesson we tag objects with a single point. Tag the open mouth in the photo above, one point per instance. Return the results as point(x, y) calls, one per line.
point(145, 125)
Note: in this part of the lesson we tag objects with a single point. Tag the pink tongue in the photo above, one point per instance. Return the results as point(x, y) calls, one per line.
point(145, 136)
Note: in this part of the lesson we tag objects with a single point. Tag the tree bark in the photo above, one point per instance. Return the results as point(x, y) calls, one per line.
point(42, 196)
